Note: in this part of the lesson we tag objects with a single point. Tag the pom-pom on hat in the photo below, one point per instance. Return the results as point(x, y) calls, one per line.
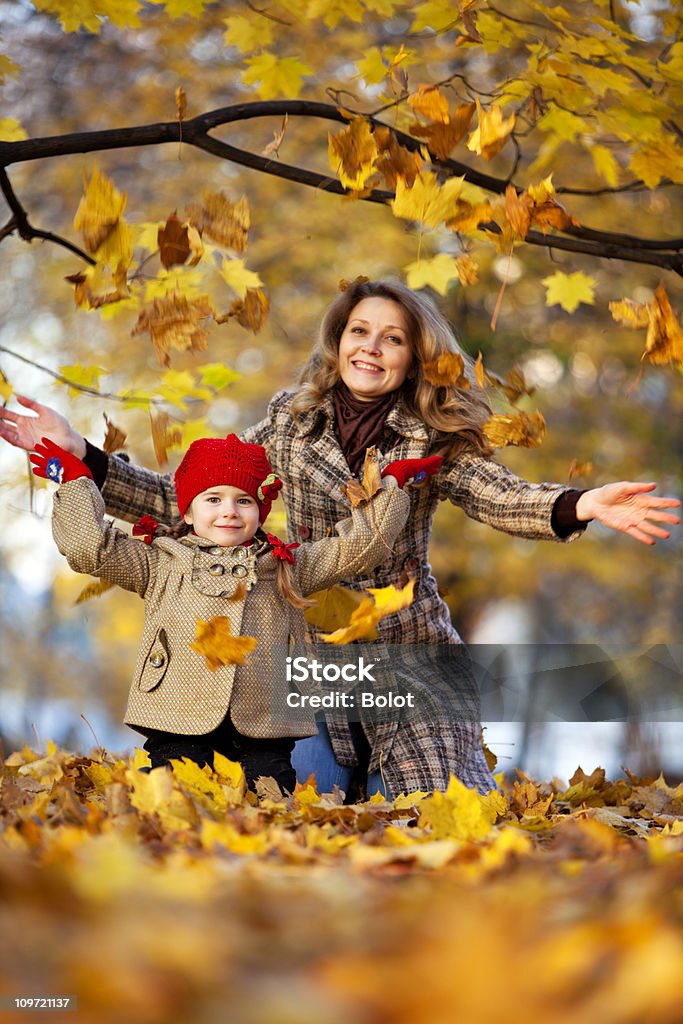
point(215, 461)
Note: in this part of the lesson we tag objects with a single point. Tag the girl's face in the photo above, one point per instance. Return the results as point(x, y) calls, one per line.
point(374, 351)
point(224, 515)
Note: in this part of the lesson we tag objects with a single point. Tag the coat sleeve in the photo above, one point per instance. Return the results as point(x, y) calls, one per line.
point(364, 540)
point(94, 546)
point(491, 494)
point(130, 492)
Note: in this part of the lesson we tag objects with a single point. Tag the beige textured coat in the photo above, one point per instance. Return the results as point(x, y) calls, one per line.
point(184, 580)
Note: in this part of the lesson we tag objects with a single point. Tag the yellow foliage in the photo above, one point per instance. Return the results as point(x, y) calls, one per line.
point(216, 643)
point(568, 290)
point(382, 602)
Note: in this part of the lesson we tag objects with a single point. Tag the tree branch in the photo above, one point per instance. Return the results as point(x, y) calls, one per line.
point(20, 222)
point(664, 253)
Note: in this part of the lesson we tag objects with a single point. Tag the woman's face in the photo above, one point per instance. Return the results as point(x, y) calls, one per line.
point(374, 350)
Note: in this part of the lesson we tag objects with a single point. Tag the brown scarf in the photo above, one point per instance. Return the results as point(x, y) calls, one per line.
point(358, 425)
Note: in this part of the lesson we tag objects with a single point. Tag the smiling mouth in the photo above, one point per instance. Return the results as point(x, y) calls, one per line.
point(368, 367)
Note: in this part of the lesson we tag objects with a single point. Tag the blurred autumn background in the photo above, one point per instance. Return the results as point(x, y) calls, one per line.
point(594, 88)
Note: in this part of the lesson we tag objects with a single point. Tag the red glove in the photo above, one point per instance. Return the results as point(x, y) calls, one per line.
point(413, 471)
point(52, 462)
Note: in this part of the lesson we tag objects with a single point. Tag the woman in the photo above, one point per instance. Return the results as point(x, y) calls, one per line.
point(364, 385)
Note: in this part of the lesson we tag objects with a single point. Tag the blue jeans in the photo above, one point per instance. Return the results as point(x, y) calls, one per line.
point(315, 756)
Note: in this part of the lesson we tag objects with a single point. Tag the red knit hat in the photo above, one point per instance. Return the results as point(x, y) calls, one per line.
point(213, 461)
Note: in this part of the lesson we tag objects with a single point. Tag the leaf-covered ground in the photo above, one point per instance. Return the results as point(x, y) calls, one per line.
point(171, 896)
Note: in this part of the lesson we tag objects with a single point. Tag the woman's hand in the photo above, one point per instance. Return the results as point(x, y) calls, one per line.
point(25, 432)
point(628, 507)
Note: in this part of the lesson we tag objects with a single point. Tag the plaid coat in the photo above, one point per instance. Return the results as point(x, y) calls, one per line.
point(191, 579)
point(310, 461)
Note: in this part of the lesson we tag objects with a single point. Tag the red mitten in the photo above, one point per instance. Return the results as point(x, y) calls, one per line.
point(413, 471)
point(52, 462)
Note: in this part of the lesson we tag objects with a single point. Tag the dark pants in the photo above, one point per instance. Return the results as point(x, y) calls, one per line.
point(257, 756)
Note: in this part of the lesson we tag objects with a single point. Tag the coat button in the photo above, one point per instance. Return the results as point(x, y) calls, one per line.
point(239, 570)
point(216, 569)
point(157, 660)
point(304, 532)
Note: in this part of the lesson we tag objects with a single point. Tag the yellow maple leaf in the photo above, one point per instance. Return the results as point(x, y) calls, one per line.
point(251, 312)
point(630, 314)
point(381, 602)
point(6, 389)
point(227, 223)
point(216, 643)
point(174, 322)
point(448, 371)
point(358, 491)
point(87, 376)
point(430, 102)
point(164, 437)
point(460, 812)
point(353, 154)
point(275, 76)
point(333, 609)
point(468, 270)
point(427, 201)
point(525, 430)
point(664, 342)
point(492, 131)
point(11, 130)
point(100, 210)
point(248, 34)
point(568, 290)
point(437, 273)
point(239, 277)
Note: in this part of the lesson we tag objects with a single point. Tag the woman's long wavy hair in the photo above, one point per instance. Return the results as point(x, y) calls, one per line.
point(448, 411)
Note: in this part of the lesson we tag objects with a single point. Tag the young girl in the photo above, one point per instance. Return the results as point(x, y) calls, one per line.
point(226, 567)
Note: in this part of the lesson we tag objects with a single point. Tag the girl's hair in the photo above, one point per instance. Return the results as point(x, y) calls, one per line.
point(284, 577)
point(447, 410)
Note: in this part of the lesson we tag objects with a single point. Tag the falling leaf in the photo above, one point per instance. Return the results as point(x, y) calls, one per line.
point(172, 239)
point(115, 438)
point(664, 342)
point(631, 314)
point(468, 270)
point(518, 208)
point(174, 322)
point(353, 154)
point(100, 216)
point(95, 589)
point(427, 201)
point(437, 273)
point(579, 469)
point(180, 103)
point(381, 602)
point(6, 389)
point(492, 131)
point(359, 491)
point(216, 643)
point(164, 437)
point(273, 148)
point(333, 609)
point(447, 371)
point(568, 290)
point(250, 313)
point(395, 161)
point(430, 102)
point(523, 430)
point(239, 277)
point(442, 138)
point(225, 222)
